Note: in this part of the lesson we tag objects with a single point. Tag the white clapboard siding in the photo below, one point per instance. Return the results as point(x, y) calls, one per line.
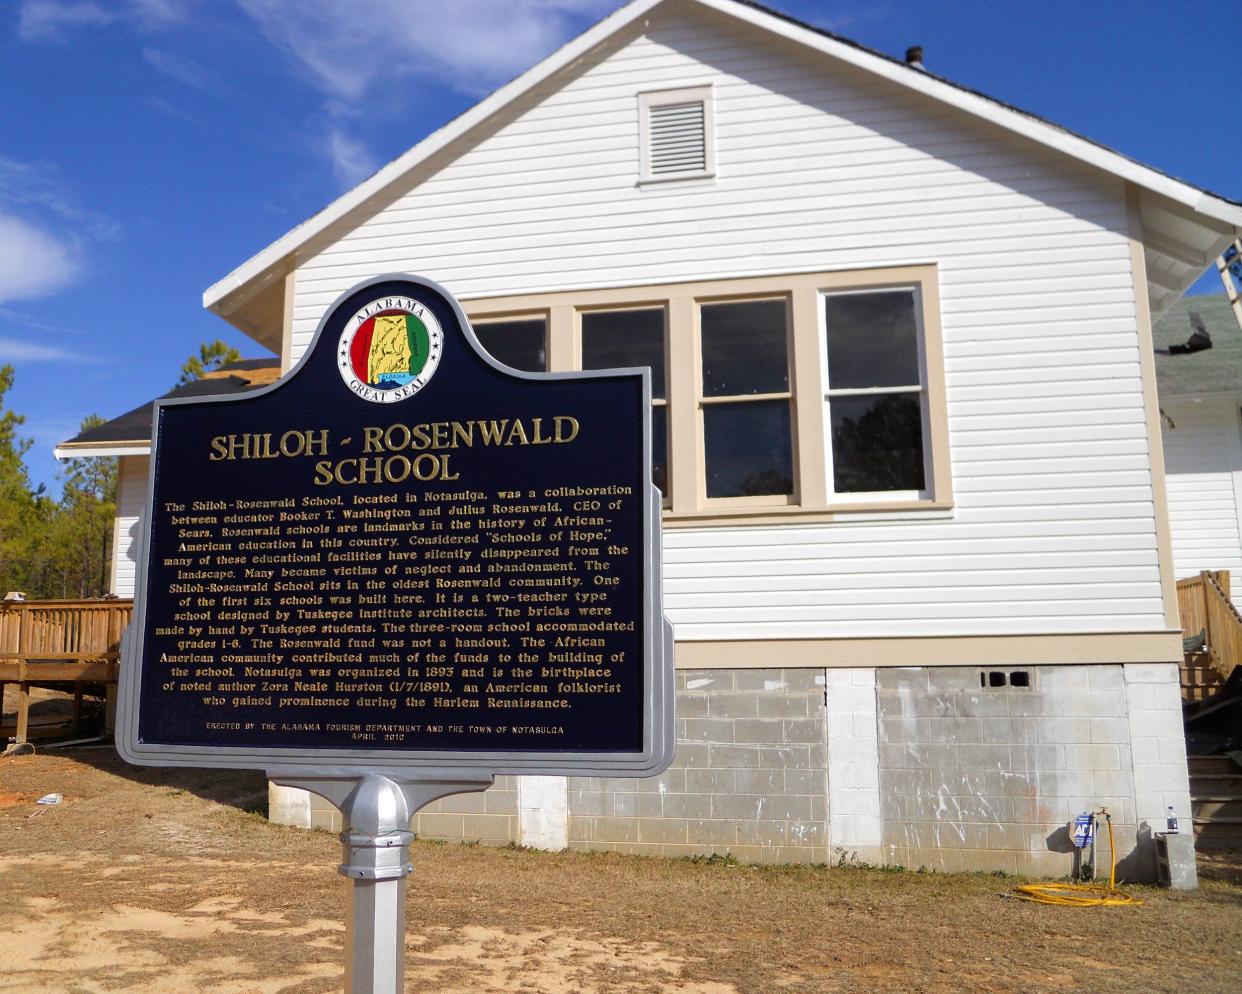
point(1203, 460)
point(819, 167)
point(131, 495)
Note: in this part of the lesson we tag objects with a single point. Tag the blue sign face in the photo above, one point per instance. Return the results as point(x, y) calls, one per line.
point(401, 549)
point(1084, 830)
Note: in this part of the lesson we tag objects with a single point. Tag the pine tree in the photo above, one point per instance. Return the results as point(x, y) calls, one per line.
point(81, 531)
point(23, 510)
point(211, 355)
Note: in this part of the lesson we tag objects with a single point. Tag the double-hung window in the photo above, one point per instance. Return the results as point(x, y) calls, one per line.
point(613, 339)
point(518, 342)
point(876, 399)
point(811, 395)
point(746, 399)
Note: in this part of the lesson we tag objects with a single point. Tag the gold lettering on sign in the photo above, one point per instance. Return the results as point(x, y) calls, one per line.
point(260, 446)
point(399, 604)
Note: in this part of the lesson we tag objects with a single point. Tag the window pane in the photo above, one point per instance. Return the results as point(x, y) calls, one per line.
point(518, 344)
point(872, 340)
point(877, 442)
point(748, 449)
point(744, 349)
point(612, 339)
point(659, 448)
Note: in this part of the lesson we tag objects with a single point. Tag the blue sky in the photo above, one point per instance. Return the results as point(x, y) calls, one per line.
point(148, 147)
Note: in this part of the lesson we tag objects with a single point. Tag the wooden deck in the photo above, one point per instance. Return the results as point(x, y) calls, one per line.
point(61, 643)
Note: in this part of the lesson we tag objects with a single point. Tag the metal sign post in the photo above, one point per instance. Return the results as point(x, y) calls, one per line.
point(396, 573)
point(377, 810)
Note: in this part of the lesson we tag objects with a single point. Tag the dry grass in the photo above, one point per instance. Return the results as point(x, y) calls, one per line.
point(172, 881)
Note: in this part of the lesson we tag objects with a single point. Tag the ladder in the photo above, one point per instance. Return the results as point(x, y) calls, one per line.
point(1229, 264)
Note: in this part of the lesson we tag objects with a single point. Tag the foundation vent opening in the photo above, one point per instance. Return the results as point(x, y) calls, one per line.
point(999, 679)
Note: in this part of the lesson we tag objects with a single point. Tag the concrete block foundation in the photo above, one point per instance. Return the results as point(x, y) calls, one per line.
point(950, 768)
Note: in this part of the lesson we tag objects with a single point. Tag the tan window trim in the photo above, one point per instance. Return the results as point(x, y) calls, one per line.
point(687, 506)
point(745, 398)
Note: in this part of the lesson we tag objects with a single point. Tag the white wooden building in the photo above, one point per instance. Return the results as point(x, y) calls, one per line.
point(917, 548)
point(1201, 397)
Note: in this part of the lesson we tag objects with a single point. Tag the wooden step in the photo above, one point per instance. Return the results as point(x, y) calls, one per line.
point(1198, 683)
point(1220, 809)
point(1205, 787)
point(1213, 766)
point(1218, 833)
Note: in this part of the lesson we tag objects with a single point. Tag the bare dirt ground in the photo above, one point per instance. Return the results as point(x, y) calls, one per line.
point(164, 882)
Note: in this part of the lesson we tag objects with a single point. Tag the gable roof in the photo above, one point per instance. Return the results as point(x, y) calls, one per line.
point(1214, 370)
point(1183, 227)
point(129, 434)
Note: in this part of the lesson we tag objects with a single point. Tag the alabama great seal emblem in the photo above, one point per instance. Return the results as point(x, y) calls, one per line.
point(389, 349)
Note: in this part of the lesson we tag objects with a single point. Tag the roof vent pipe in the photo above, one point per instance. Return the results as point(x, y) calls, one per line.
point(914, 57)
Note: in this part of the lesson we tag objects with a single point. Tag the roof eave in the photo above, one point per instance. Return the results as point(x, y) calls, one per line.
point(268, 263)
point(280, 256)
point(98, 450)
point(991, 110)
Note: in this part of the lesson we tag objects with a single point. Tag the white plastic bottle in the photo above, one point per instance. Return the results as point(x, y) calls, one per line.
point(1171, 822)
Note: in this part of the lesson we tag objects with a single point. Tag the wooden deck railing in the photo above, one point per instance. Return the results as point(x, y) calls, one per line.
point(72, 642)
point(1204, 605)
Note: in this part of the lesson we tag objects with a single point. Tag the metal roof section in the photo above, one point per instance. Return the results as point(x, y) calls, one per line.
point(1217, 370)
point(130, 433)
point(1183, 227)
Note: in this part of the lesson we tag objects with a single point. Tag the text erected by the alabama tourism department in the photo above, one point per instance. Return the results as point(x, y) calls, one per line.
point(388, 600)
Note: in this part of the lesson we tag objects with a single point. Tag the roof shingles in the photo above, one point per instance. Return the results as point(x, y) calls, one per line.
point(1214, 370)
point(134, 427)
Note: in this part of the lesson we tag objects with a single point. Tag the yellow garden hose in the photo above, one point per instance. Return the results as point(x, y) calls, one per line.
point(1082, 895)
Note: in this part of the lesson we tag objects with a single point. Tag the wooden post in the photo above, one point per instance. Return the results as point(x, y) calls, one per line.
point(23, 711)
point(23, 686)
point(77, 707)
point(1205, 589)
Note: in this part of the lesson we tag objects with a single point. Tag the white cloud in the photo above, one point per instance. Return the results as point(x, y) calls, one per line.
point(33, 262)
point(351, 162)
point(13, 350)
point(352, 50)
point(167, 107)
point(44, 234)
point(26, 321)
point(180, 68)
point(154, 13)
point(38, 185)
point(470, 44)
point(46, 433)
point(51, 20)
point(47, 20)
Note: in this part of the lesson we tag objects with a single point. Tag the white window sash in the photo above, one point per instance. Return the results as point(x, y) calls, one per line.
point(876, 496)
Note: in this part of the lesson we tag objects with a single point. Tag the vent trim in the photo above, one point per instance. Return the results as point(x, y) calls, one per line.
point(676, 134)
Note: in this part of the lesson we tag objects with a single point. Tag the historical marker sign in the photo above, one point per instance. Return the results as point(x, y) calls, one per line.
point(403, 556)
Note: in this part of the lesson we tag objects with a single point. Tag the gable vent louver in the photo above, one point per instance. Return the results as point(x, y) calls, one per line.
point(678, 138)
